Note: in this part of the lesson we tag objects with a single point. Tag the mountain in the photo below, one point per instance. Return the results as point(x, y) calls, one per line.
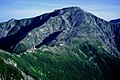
point(115, 21)
point(66, 44)
point(73, 22)
point(115, 24)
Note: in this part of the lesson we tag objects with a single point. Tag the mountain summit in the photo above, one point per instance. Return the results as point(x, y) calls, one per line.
point(72, 23)
point(69, 31)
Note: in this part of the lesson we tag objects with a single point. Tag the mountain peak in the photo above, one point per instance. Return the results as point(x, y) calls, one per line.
point(68, 9)
point(75, 22)
point(71, 8)
point(65, 41)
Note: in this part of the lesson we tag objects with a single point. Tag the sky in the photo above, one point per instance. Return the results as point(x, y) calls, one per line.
point(18, 9)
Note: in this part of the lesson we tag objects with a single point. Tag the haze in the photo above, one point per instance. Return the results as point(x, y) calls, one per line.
point(18, 9)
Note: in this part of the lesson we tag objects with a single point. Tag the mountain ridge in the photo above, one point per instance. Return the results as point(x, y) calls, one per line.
point(67, 44)
point(26, 25)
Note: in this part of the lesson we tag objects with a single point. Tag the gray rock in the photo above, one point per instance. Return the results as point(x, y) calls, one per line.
point(20, 35)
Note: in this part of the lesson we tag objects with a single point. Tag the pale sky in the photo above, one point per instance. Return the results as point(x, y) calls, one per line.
point(18, 9)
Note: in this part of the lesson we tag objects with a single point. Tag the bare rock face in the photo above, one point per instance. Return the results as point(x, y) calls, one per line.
point(73, 44)
point(116, 30)
point(74, 24)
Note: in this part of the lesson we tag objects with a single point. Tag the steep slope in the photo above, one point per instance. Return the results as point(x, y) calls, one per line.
point(20, 35)
point(66, 44)
point(85, 63)
point(115, 24)
point(7, 70)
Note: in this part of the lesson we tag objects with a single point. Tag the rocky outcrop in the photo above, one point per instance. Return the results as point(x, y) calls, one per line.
point(20, 35)
point(73, 44)
point(115, 24)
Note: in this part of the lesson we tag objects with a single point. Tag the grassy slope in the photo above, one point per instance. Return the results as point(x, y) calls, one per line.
point(88, 63)
point(9, 72)
point(46, 65)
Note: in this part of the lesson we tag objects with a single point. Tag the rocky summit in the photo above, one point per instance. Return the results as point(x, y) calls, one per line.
point(66, 44)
